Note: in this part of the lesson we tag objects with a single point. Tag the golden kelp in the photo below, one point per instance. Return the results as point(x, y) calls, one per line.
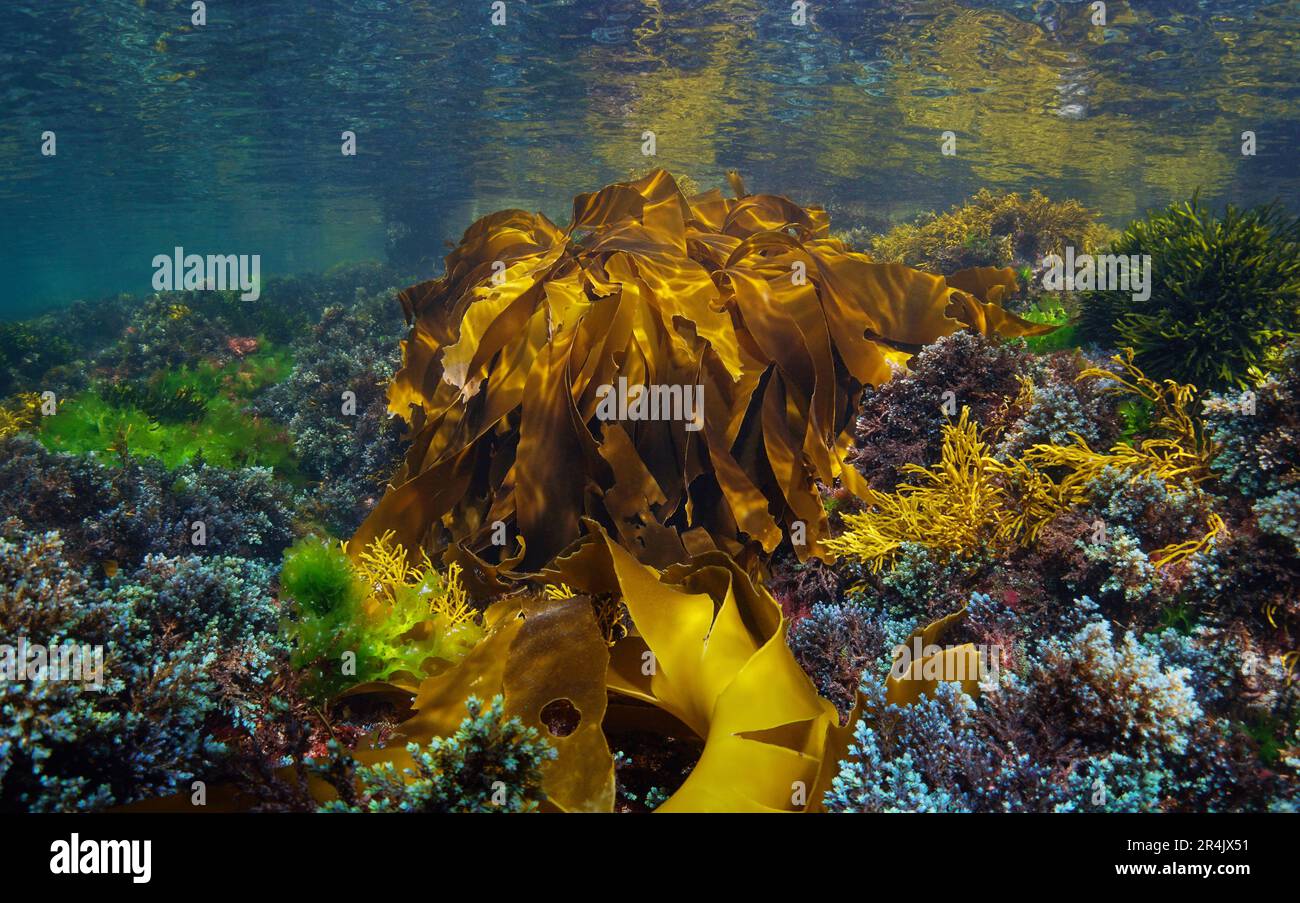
point(705, 655)
point(747, 301)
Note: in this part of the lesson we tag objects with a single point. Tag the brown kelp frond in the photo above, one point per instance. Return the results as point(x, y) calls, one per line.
point(971, 500)
point(704, 654)
point(682, 370)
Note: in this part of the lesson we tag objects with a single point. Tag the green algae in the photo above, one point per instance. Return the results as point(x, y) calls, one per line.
point(179, 415)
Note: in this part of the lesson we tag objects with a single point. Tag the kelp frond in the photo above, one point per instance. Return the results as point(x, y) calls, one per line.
point(701, 657)
point(748, 303)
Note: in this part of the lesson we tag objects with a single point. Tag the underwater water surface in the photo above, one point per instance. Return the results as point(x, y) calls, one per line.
point(225, 138)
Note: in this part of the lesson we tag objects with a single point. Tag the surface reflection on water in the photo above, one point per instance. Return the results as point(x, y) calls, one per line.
point(226, 137)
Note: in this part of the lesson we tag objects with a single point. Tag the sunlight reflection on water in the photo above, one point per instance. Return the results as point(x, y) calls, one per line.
point(227, 136)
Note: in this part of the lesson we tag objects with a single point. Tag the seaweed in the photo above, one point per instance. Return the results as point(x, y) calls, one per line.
point(700, 662)
point(177, 633)
point(18, 414)
point(970, 500)
point(1224, 299)
point(225, 436)
point(381, 618)
point(179, 415)
point(513, 355)
point(28, 351)
point(1051, 313)
point(184, 405)
point(992, 229)
point(492, 763)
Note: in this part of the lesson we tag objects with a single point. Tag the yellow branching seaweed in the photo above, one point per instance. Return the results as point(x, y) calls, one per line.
point(1179, 452)
point(383, 567)
point(1172, 554)
point(971, 501)
point(453, 601)
point(955, 506)
point(734, 334)
point(18, 413)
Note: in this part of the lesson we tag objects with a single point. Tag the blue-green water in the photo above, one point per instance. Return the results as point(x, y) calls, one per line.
point(226, 137)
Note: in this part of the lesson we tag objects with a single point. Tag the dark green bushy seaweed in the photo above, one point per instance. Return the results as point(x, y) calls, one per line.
point(28, 350)
point(1225, 294)
point(181, 406)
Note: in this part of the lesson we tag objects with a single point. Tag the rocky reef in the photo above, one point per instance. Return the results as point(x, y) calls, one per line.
point(930, 537)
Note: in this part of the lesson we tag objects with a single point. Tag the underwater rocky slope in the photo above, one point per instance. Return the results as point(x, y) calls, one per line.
point(505, 599)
